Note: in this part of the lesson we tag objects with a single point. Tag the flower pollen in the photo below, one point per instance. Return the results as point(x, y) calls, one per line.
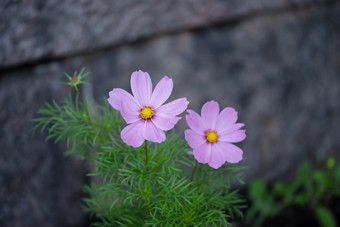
point(146, 112)
point(211, 136)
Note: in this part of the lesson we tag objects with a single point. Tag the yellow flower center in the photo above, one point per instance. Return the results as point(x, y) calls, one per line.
point(211, 136)
point(146, 112)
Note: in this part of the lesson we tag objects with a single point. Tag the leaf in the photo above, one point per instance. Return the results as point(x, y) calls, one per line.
point(322, 179)
point(337, 173)
point(304, 174)
point(257, 189)
point(301, 199)
point(325, 217)
point(279, 188)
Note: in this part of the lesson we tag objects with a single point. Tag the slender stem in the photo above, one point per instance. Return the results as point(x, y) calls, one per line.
point(87, 112)
point(146, 152)
point(146, 163)
point(84, 105)
point(193, 171)
point(146, 212)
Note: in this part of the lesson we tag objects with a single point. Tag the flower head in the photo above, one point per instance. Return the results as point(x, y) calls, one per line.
point(211, 136)
point(145, 113)
point(77, 78)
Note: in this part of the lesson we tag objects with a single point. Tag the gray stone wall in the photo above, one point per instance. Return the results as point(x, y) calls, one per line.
point(276, 62)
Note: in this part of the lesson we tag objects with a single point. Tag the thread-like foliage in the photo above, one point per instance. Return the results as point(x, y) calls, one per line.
point(129, 190)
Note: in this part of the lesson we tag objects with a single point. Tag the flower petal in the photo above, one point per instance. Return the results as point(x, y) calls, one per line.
point(229, 129)
point(227, 117)
point(114, 99)
point(209, 113)
point(232, 153)
point(195, 122)
point(132, 134)
point(173, 108)
point(118, 95)
point(217, 157)
point(161, 92)
point(165, 122)
point(141, 87)
point(202, 153)
point(129, 112)
point(233, 137)
point(152, 133)
point(194, 139)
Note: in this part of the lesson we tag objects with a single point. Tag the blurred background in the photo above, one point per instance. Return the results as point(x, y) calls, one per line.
point(277, 62)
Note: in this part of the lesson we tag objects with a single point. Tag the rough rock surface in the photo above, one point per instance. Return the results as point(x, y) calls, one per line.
point(39, 186)
point(39, 30)
point(275, 62)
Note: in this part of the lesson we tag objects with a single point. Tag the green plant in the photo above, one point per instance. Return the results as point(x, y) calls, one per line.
point(311, 189)
point(153, 185)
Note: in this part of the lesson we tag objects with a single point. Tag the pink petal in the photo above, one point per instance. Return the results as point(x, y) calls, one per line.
point(194, 140)
point(233, 137)
point(165, 122)
point(116, 97)
point(232, 153)
point(210, 111)
point(152, 133)
point(202, 153)
point(130, 113)
point(229, 129)
point(195, 122)
point(227, 117)
point(217, 157)
point(161, 92)
point(141, 87)
point(173, 108)
point(132, 134)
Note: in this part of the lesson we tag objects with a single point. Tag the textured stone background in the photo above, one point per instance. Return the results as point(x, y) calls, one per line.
point(276, 61)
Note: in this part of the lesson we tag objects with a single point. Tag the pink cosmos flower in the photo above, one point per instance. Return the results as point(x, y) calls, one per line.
point(144, 112)
point(211, 136)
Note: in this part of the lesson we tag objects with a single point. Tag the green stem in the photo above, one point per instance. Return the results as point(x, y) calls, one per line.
point(193, 171)
point(87, 112)
point(84, 105)
point(146, 153)
point(146, 166)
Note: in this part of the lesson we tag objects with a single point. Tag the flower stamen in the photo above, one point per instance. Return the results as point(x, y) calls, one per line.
point(211, 136)
point(146, 112)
